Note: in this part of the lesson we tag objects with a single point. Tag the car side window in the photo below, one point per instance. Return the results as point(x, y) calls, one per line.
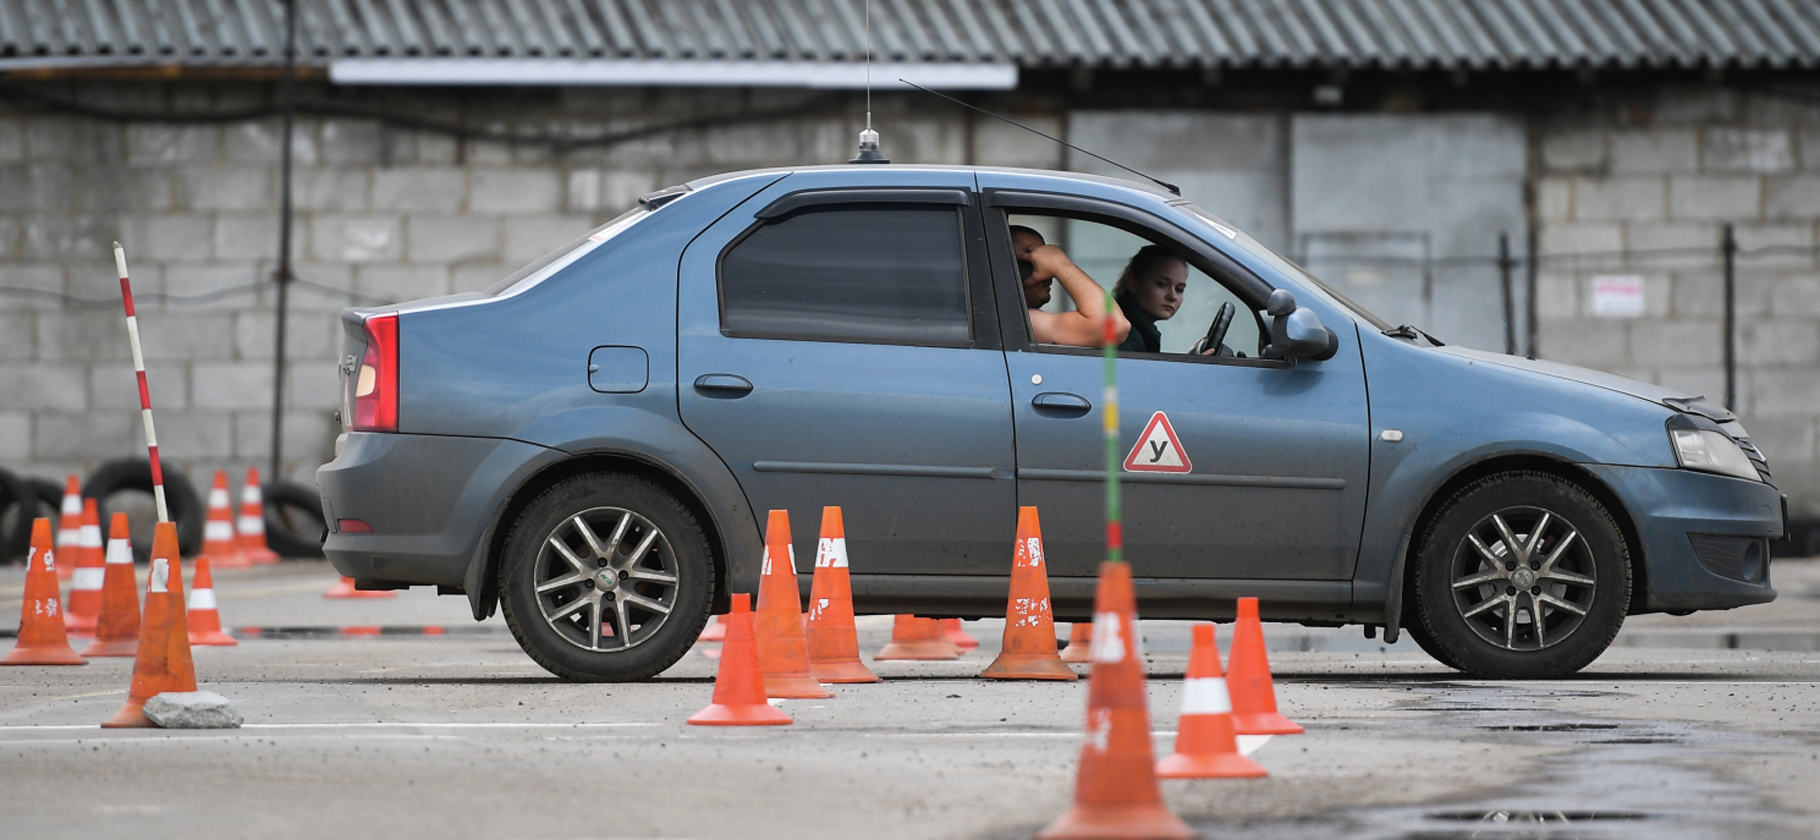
point(887, 275)
point(1105, 252)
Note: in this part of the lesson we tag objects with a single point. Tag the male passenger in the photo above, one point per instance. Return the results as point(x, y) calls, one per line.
point(1080, 328)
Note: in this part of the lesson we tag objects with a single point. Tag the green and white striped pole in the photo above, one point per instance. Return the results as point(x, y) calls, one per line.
point(1115, 530)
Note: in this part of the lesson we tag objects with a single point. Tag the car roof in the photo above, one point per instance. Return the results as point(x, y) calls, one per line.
point(882, 173)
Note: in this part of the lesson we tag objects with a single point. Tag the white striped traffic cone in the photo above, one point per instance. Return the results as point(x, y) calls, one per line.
point(204, 617)
point(91, 568)
point(1206, 743)
point(219, 541)
point(252, 522)
point(69, 525)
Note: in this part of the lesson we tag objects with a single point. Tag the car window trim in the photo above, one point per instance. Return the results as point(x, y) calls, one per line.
point(791, 202)
point(878, 197)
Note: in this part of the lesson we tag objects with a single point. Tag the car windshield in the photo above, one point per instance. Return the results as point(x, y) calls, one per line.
point(559, 259)
point(1332, 296)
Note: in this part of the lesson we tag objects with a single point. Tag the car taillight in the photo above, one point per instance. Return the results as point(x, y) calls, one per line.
point(376, 381)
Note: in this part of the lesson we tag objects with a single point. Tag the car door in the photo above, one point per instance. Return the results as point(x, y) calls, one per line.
point(1230, 468)
point(838, 346)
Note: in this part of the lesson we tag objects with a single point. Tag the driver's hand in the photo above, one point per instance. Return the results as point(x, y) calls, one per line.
point(1049, 261)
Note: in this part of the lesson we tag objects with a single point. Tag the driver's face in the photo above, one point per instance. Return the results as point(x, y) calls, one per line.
point(1159, 293)
point(1036, 289)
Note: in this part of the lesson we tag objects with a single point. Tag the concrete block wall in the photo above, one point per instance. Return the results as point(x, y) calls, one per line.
point(1642, 185)
point(382, 214)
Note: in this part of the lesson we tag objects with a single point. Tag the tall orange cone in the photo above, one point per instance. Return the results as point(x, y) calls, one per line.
point(117, 629)
point(1116, 793)
point(1028, 649)
point(917, 639)
point(252, 522)
point(218, 538)
point(955, 631)
point(344, 588)
point(69, 525)
point(42, 638)
point(833, 638)
point(163, 663)
point(1206, 745)
point(783, 648)
point(739, 685)
point(1254, 699)
point(85, 584)
point(1080, 638)
point(204, 617)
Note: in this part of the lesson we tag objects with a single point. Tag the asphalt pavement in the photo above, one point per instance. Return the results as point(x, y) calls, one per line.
point(420, 723)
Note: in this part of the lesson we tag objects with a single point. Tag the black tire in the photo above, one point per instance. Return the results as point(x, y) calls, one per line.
point(293, 519)
point(556, 627)
point(1515, 605)
point(18, 507)
point(126, 485)
point(1412, 627)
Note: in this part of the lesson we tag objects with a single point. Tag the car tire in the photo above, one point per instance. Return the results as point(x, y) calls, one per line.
point(293, 519)
point(132, 475)
point(565, 604)
point(1417, 633)
point(18, 507)
point(1522, 575)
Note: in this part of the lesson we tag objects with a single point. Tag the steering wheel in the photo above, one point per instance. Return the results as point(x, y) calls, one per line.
point(1216, 333)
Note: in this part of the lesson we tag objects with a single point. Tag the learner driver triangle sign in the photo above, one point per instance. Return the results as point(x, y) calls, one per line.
point(1158, 450)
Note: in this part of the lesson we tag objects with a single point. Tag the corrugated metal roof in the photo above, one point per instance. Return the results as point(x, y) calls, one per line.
point(1033, 34)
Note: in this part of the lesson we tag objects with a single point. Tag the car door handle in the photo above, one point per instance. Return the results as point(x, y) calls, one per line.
point(723, 385)
point(1073, 405)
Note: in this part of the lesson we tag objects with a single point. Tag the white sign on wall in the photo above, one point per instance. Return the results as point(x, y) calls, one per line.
point(1617, 296)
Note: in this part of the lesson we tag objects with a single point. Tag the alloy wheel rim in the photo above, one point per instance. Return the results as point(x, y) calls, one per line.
point(1523, 578)
point(606, 579)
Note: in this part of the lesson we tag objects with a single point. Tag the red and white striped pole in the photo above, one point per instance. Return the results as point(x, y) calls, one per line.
point(145, 391)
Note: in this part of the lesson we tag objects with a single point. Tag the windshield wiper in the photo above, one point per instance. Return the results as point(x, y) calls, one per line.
point(1410, 332)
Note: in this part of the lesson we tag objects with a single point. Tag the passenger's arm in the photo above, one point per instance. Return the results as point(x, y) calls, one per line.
point(1080, 328)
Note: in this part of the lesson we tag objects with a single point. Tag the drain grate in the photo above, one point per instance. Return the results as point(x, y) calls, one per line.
point(1547, 727)
point(1521, 817)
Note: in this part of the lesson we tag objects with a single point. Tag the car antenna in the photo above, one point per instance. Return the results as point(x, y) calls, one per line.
point(1157, 181)
point(868, 139)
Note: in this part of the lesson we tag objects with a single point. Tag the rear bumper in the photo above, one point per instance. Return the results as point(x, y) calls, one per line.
point(430, 500)
point(1705, 537)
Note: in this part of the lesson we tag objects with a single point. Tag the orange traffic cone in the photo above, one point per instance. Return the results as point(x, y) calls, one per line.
point(833, 639)
point(117, 629)
point(85, 584)
point(1206, 745)
point(919, 639)
point(218, 538)
point(69, 526)
point(955, 631)
point(204, 618)
point(344, 588)
point(252, 522)
point(783, 649)
point(739, 685)
point(1116, 794)
point(163, 663)
point(42, 639)
point(1254, 699)
point(1028, 650)
point(1080, 641)
point(716, 631)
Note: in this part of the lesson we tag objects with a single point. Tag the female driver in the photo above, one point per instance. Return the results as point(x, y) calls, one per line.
point(1150, 290)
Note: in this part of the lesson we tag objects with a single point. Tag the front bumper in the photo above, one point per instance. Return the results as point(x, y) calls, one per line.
point(429, 498)
point(1688, 522)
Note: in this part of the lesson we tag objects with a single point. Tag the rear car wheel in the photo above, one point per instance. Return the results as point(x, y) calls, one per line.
point(606, 578)
point(1522, 576)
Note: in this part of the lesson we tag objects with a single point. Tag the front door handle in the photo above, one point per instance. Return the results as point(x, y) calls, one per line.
point(1072, 405)
point(723, 385)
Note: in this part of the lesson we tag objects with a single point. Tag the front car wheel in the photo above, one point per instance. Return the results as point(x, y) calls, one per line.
point(1522, 575)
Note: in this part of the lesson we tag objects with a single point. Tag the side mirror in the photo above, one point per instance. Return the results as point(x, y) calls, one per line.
point(1296, 332)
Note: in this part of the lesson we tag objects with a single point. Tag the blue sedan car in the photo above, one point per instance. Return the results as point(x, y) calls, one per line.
point(592, 444)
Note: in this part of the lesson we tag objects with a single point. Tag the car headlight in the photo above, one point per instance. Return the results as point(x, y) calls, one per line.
point(1710, 451)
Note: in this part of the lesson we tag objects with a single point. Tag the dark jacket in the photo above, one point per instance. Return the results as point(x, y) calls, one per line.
point(1144, 336)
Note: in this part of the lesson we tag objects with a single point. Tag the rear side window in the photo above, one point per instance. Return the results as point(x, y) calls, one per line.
point(888, 275)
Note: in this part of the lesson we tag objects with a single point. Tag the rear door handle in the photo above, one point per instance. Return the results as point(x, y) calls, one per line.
point(1072, 405)
point(723, 385)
